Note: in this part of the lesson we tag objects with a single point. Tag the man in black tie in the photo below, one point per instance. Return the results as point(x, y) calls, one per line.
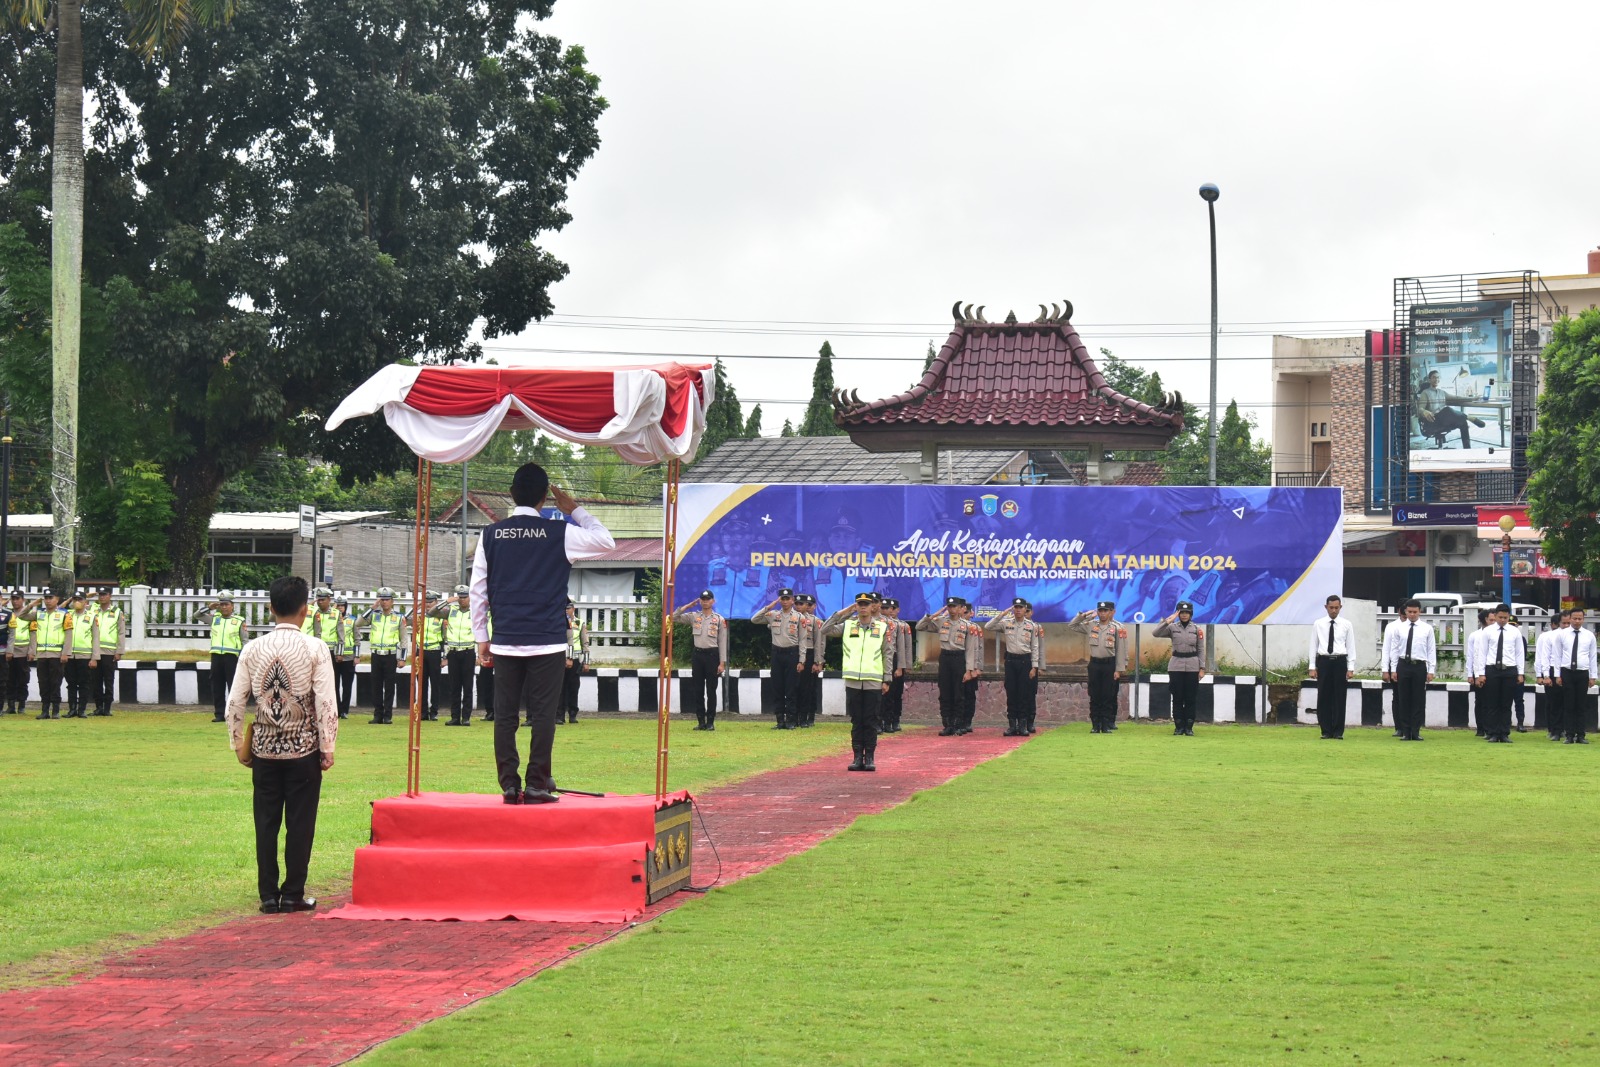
point(1504, 655)
point(1408, 663)
point(1331, 641)
point(1577, 674)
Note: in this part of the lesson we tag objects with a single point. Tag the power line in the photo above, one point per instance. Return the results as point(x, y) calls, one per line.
point(808, 357)
point(938, 325)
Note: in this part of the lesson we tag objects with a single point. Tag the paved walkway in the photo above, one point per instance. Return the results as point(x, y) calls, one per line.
point(290, 990)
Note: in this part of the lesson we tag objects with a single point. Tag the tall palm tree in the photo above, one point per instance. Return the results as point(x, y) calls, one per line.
point(157, 24)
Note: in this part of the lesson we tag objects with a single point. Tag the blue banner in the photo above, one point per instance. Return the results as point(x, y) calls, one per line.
point(1240, 555)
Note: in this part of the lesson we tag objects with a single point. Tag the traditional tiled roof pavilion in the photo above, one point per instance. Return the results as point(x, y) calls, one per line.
point(1009, 384)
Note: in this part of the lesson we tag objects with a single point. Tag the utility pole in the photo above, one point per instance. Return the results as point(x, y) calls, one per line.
point(1209, 193)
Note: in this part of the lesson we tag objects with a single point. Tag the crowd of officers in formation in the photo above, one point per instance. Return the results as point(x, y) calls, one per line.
point(81, 643)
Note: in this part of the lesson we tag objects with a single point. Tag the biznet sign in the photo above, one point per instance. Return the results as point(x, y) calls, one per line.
point(1436, 515)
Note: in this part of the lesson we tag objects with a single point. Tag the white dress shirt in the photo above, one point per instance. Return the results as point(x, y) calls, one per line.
point(1543, 656)
point(1474, 645)
point(1584, 640)
point(1512, 651)
point(1344, 638)
point(1394, 644)
point(583, 541)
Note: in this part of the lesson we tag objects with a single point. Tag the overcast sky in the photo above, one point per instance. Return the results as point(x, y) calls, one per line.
point(863, 165)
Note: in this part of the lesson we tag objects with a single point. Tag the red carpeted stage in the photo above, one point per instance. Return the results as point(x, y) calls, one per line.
point(471, 857)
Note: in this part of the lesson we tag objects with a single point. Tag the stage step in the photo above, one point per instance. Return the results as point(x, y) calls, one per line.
point(477, 820)
point(586, 884)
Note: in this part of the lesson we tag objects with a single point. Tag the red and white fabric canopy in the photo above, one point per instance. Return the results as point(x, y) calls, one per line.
point(447, 414)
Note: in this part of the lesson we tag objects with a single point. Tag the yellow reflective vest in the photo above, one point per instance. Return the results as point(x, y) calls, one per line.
point(227, 635)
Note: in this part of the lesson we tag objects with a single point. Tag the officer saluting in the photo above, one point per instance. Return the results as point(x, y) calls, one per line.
point(900, 633)
point(1024, 656)
point(228, 635)
point(1107, 643)
point(109, 625)
point(868, 663)
point(1187, 666)
point(461, 654)
point(784, 625)
point(432, 629)
point(960, 663)
point(708, 661)
point(386, 641)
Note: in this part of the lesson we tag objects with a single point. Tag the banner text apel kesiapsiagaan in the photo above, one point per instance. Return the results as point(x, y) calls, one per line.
point(1239, 554)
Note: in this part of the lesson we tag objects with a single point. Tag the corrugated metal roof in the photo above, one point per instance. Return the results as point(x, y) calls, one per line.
point(634, 551)
point(841, 460)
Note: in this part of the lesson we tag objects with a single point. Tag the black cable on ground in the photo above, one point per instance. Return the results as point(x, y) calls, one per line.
point(704, 888)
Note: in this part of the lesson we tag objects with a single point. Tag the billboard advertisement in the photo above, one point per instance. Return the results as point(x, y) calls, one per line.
point(1461, 386)
point(1242, 555)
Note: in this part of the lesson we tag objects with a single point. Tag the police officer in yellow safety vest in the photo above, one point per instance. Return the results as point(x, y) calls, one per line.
point(868, 662)
point(323, 620)
point(81, 642)
point(577, 655)
point(19, 633)
point(344, 655)
point(432, 653)
point(110, 631)
point(48, 649)
point(386, 641)
point(228, 635)
point(460, 653)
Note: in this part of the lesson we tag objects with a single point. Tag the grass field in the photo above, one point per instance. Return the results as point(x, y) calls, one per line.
point(116, 830)
point(1250, 895)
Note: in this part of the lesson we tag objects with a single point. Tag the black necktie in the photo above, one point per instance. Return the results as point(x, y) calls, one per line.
point(1410, 634)
point(1330, 637)
point(1575, 635)
point(1500, 648)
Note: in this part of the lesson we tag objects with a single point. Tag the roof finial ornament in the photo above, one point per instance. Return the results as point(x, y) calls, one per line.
point(980, 317)
point(1011, 318)
point(955, 311)
point(1066, 311)
point(1044, 314)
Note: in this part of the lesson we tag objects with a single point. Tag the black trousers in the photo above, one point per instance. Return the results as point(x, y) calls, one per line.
point(863, 706)
point(1497, 690)
point(223, 666)
point(1444, 421)
point(1185, 687)
point(17, 681)
point(431, 667)
point(785, 683)
point(531, 685)
point(344, 683)
point(77, 685)
point(1019, 687)
point(1574, 693)
point(952, 665)
point(1333, 688)
point(701, 695)
point(383, 679)
point(286, 792)
point(103, 683)
point(1410, 697)
point(889, 708)
point(569, 688)
point(1103, 692)
point(51, 670)
point(808, 695)
point(462, 663)
point(486, 686)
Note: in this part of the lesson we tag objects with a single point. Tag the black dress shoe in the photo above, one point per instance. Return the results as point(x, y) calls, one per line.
point(287, 904)
point(538, 796)
point(964, 731)
point(948, 731)
point(1521, 729)
point(512, 796)
point(271, 907)
point(1569, 741)
point(1581, 741)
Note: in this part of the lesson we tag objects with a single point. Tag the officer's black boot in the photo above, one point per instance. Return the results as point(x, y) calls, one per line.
point(857, 763)
point(44, 712)
point(868, 763)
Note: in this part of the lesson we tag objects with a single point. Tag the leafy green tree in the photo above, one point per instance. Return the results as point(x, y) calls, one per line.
point(818, 420)
point(788, 429)
point(154, 24)
point(127, 521)
point(724, 415)
point(1564, 449)
point(927, 360)
point(281, 209)
point(752, 425)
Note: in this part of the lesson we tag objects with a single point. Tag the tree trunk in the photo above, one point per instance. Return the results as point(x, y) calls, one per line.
point(195, 485)
point(66, 290)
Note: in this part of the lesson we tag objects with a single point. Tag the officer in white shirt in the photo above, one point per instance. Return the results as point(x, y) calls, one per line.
point(1474, 655)
point(1547, 706)
point(1332, 640)
point(1577, 670)
point(1503, 653)
point(1409, 661)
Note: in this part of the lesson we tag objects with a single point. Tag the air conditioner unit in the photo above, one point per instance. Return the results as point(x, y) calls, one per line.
point(1455, 544)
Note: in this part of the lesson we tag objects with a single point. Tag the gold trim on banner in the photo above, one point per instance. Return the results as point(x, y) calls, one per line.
point(728, 503)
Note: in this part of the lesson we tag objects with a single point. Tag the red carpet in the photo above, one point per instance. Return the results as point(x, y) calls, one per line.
point(287, 990)
point(472, 857)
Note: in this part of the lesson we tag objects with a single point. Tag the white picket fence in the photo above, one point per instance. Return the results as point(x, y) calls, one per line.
point(1451, 629)
point(164, 619)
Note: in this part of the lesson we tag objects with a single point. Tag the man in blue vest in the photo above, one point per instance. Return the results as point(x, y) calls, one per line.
point(519, 574)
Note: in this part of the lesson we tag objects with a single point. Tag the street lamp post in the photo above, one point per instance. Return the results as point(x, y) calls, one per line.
point(1209, 193)
point(1507, 524)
